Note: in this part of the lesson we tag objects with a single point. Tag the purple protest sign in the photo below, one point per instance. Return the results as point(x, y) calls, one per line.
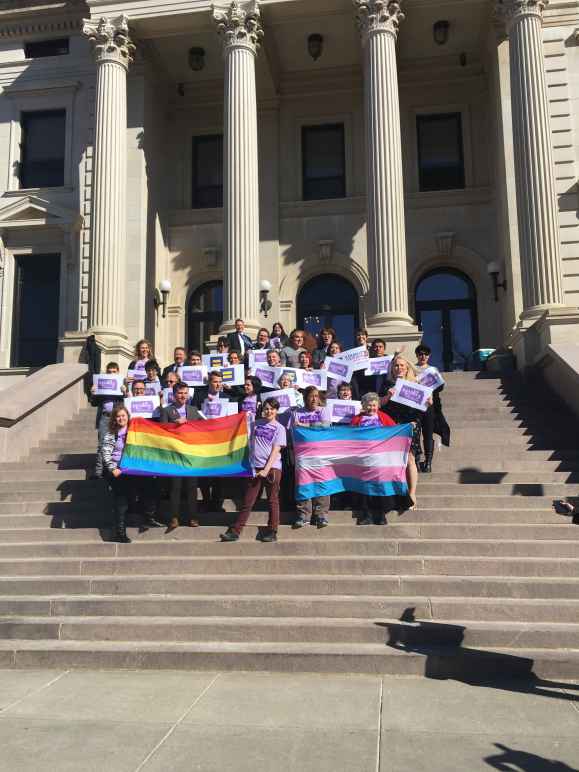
point(106, 384)
point(143, 406)
point(265, 376)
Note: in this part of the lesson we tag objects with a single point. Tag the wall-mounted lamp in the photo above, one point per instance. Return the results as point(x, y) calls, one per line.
point(315, 46)
point(160, 296)
point(265, 302)
point(494, 270)
point(440, 31)
point(196, 58)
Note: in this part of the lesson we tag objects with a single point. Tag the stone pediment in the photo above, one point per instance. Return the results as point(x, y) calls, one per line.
point(32, 211)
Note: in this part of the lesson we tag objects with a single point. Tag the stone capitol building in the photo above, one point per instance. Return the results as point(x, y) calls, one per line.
point(169, 165)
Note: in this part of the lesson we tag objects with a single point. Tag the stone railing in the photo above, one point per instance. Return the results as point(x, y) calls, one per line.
point(35, 407)
point(559, 367)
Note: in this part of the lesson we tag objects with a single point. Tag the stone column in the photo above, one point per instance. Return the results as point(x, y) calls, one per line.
point(378, 22)
point(239, 25)
point(113, 52)
point(537, 209)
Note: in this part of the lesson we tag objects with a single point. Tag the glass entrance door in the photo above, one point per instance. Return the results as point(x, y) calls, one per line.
point(446, 314)
point(329, 301)
point(36, 304)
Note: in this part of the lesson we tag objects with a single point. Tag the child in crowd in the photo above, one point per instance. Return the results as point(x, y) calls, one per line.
point(267, 440)
point(152, 382)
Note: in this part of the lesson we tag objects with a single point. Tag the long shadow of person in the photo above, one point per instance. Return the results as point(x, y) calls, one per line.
point(512, 760)
point(441, 645)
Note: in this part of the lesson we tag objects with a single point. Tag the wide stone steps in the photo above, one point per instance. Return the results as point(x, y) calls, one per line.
point(434, 661)
point(483, 577)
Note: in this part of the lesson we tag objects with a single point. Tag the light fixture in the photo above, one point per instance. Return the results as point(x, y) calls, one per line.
point(493, 270)
point(264, 290)
point(196, 58)
point(315, 45)
point(440, 32)
point(160, 296)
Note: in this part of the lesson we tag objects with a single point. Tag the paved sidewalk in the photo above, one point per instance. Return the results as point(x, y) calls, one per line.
point(167, 721)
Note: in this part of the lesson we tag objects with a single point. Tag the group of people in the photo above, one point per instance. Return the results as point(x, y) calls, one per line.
point(271, 427)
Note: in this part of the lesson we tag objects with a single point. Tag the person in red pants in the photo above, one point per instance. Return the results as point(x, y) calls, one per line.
point(268, 437)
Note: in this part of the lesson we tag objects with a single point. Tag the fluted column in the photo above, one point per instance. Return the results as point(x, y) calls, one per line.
point(378, 22)
point(541, 267)
point(113, 52)
point(239, 25)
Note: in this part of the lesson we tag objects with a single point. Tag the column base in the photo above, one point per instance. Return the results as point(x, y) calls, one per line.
point(399, 332)
point(113, 344)
point(531, 336)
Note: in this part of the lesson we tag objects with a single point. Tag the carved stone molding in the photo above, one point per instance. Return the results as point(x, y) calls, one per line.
point(110, 40)
point(326, 252)
point(374, 16)
point(445, 243)
point(511, 11)
point(239, 24)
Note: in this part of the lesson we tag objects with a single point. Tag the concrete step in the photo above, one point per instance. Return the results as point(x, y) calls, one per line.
point(389, 545)
point(481, 609)
point(452, 531)
point(231, 629)
point(433, 585)
point(438, 661)
point(232, 563)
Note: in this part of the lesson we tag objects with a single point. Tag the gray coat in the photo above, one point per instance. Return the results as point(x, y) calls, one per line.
point(170, 414)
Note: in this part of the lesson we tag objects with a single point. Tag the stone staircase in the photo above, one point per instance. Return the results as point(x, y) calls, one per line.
point(482, 580)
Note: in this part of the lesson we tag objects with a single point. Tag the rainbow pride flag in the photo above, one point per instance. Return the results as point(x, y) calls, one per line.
point(369, 460)
point(215, 448)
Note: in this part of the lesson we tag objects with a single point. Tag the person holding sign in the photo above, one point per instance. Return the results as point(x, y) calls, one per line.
point(315, 510)
point(143, 352)
point(278, 337)
point(105, 404)
point(268, 437)
point(152, 382)
point(434, 420)
point(249, 401)
point(400, 367)
point(211, 487)
point(179, 412)
point(374, 508)
point(291, 352)
point(326, 337)
point(262, 340)
point(178, 361)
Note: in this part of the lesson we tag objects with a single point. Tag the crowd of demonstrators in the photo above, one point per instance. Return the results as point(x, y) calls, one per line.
point(271, 420)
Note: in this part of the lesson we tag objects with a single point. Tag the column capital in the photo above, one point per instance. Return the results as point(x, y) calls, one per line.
point(373, 16)
point(239, 24)
point(110, 40)
point(511, 11)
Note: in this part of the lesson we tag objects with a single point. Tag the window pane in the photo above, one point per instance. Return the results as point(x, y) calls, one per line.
point(432, 335)
point(41, 48)
point(324, 166)
point(440, 156)
point(461, 337)
point(443, 286)
point(43, 140)
point(207, 172)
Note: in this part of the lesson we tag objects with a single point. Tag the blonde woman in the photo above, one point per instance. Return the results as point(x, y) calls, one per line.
point(143, 353)
point(400, 367)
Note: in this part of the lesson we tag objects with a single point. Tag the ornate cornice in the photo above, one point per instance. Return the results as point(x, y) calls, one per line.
point(110, 40)
point(373, 16)
point(511, 11)
point(239, 24)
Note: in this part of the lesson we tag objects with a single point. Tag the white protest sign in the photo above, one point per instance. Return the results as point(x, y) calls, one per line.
point(107, 384)
point(343, 410)
point(285, 397)
point(143, 407)
point(337, 369)
point(215, 408)
point(193, 375)
point(215, 361)
point(257, 357)
point(357, 357)
point(378, 365)
point(431, 378)
point(232, 408)
point(267, 375)
point(152, 387)
point(317, 378)
point(411, 394)
point(233, 375)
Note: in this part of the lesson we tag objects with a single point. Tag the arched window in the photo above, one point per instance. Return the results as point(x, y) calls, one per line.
point(204, 314)
point(446, 314)
point(329, 301)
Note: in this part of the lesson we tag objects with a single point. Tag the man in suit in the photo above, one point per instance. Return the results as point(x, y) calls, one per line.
point(179, 412)
point(211, 486)
point(239, 341)
point(179, 356)
point(213, 390)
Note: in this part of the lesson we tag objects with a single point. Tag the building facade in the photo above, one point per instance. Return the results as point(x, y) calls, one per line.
point(406, 166)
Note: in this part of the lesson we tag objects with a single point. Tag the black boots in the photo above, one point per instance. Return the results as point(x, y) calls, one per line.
point(120, 529)
point(426, 465)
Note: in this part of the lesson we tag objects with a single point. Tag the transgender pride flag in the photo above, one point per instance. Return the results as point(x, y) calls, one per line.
point(370, 460)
